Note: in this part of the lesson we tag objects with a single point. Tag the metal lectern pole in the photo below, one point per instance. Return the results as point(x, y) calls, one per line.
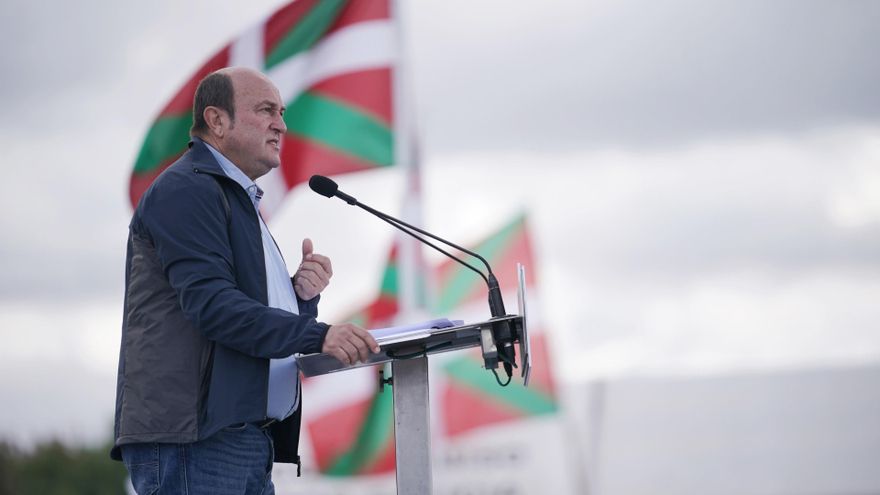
point(412, 426)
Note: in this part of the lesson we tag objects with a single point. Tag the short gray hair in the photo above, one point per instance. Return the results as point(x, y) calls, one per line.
point(215, 90)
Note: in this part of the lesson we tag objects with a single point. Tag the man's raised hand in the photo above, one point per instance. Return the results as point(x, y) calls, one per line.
point(313, 274)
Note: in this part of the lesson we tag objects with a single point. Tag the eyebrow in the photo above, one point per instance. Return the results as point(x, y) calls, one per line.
point(271, 104)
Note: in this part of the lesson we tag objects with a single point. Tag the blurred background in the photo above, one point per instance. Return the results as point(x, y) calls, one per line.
point(701, 182)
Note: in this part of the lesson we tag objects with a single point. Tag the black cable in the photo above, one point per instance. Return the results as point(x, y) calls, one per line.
point(509, 378)
point(504, 359)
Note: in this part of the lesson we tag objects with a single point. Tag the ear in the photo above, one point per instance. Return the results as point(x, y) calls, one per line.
point(217, 120)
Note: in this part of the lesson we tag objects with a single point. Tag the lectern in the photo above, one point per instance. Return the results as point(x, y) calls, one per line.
point(409, 369)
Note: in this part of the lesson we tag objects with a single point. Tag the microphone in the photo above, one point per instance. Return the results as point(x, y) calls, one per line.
point(327, 187)
point(503, 334)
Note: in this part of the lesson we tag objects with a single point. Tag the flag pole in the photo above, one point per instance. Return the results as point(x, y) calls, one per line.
point(412, 423)
point(406, 157)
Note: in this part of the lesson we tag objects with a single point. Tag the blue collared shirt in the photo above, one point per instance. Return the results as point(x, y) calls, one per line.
point(283, 373)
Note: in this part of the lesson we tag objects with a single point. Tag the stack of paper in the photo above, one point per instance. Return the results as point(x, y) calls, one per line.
point(412, 331)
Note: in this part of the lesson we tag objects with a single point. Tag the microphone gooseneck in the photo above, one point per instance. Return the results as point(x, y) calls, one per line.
point(327, 187)
point(502, 331)
point(404, 227)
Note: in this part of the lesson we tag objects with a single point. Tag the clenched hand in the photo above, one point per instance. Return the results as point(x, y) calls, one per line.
point(313, 274)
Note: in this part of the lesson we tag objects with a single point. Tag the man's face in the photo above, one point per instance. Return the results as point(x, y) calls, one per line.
point(253, 140)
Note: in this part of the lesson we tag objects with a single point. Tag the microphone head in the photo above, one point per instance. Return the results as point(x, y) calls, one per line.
point(323, 186)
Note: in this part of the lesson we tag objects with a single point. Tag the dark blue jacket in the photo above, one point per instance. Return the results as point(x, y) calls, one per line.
point(197, 333)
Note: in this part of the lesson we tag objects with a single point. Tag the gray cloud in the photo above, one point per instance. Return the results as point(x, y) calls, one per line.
point(104, 62)
point(557, 75)
point(56, 50)
point(633, 73)
point(679, 215)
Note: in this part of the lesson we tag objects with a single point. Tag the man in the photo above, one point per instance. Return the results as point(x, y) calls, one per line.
point(207, 392)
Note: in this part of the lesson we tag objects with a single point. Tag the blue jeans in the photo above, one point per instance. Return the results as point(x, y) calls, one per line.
point(236, 460)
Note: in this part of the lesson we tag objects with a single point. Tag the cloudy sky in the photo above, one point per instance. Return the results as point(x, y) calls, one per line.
point(702, 179)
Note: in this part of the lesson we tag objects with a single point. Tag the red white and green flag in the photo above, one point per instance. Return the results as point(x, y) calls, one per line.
point(471, 397)
point(332, 62)
point(353, 435)
point(381, 312)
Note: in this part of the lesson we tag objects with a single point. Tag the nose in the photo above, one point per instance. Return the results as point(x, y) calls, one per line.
point(279, 124)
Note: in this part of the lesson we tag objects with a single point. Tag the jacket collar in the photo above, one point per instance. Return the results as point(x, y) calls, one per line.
point(202, 158)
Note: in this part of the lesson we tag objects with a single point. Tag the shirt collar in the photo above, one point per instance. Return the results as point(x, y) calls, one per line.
point(235, 173)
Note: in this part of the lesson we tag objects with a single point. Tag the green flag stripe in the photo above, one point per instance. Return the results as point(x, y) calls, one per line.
point(389, 281)
point(306, 32)
point(468, 373)
point(375, 432)
point(458, 288)
point(462, 280)
point(339, 126)
point(168, 137)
